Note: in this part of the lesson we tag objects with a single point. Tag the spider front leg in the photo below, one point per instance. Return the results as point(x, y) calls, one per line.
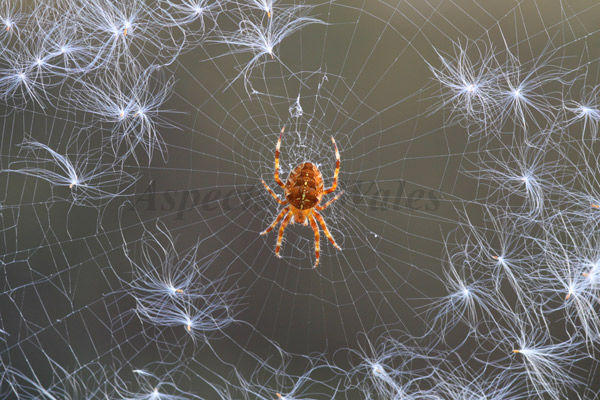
point(317, 239)
point(274, 224)
point(284, 224)
point(282, 202)
point(324, 227)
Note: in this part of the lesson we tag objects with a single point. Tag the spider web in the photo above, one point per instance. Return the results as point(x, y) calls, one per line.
point(131, 256)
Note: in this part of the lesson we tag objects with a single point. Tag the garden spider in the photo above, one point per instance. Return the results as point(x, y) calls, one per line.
point(303, 192)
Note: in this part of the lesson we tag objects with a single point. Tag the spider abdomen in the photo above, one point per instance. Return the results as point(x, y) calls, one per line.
point(304, 186)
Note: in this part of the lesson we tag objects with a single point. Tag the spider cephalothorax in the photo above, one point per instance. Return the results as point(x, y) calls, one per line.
point(303, 192)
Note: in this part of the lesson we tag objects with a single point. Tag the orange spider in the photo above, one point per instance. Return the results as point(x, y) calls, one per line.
point(303, 192)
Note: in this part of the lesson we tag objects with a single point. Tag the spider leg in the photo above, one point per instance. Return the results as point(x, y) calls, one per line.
point(277, 179)
point(324, 206)
point(274, 224)
point(283, 202)
point(284, 224)
point(324, 226)
point(337, 169)
point(317, 238)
